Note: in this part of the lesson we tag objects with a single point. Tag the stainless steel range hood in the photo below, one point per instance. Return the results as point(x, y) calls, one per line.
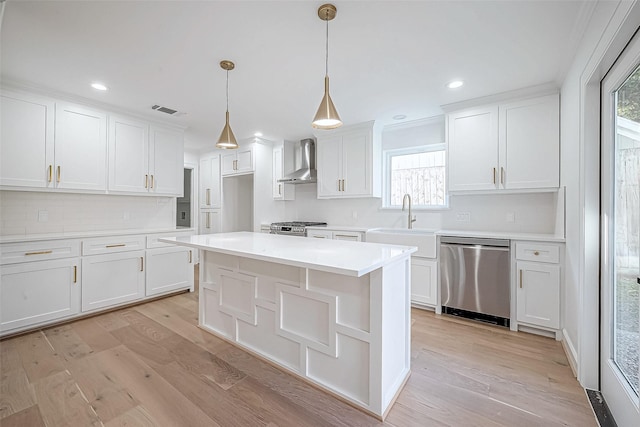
point(305, 163)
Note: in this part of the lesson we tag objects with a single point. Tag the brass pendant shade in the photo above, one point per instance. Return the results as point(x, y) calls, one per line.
point(227, 139)
point(327, 116)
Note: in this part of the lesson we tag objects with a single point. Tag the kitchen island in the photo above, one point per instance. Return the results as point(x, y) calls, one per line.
point(334, 313)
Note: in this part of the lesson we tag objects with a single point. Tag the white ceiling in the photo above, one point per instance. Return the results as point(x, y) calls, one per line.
point(385, 58)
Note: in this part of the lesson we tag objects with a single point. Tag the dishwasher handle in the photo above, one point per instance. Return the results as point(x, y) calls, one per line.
point(482, 247)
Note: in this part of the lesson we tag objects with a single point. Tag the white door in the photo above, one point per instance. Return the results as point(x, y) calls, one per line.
point(26, 152)
point(424, 281)
point(244, 162)
point(620, 270)
point(166, 162)
point(356, 165)
point(210, 221)
point(168, 269)
point(329, 165)
point(80, 148)
point(228, 163)
point(538, 293)
point(128, 155)
point(473, 149)
point(277, 174)
point(210, 182)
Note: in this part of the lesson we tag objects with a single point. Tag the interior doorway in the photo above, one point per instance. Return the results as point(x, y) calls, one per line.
point(184, 208)
point(620, 246)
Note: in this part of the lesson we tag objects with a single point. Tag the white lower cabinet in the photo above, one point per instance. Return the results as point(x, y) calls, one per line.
point(354, 236)
point(112, 279)
point(538, 294)
point(424, 281)
point(168, 269)
point(210, 221)
point(537, 284)
point(38, 292)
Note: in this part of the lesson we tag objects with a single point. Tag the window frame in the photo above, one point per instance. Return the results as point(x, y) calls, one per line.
point(386, 175)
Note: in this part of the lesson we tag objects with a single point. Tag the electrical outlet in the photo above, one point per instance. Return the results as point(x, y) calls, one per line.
point(463, 216)
point(43, 216)
point(511, 217)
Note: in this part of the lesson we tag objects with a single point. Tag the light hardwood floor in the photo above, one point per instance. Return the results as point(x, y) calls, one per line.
point(150, 365)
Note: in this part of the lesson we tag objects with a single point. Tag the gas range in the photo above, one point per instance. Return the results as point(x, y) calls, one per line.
point(294, 228)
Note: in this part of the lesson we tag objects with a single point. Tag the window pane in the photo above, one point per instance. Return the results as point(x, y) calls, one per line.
point(421, 175)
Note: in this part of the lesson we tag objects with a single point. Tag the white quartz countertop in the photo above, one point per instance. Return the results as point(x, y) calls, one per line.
point(88, 234)
point(539, 237)
point(335, 256)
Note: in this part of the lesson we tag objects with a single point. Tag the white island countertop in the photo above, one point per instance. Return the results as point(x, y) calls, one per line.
point(334, 256)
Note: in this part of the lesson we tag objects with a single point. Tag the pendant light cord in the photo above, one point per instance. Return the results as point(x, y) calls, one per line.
point(326, 58)
point(227, 90)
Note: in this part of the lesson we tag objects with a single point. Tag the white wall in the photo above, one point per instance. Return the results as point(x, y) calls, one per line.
point(19, 212)
point(610, 27)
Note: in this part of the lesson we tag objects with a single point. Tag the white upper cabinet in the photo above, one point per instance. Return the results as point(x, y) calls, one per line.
point(239, 161)
point(80, 149)
point(128, 155)
point(145, 159)
point(166, 161)
point(280, 190)
point(473, 149)
point(530, 143)
point(210, 181)
point(349, 162)
point(510, 146)
point(26, 140)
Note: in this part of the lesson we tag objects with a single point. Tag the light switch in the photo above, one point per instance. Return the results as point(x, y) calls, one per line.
point(463, 216)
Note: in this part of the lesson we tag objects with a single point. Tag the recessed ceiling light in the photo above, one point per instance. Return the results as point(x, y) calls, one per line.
point(455, 84)
point(99, 86)
point(258, 134)
point(399, 117)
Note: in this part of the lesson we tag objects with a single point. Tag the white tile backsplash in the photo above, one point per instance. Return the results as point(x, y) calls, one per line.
point(82, 212)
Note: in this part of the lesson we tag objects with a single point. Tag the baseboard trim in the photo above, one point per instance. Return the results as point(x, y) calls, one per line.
point(570, 351)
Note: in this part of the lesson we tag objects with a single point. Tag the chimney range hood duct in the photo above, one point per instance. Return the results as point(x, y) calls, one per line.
point(305, 163)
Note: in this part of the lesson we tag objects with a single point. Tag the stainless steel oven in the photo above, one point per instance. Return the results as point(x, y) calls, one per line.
point(474, 278)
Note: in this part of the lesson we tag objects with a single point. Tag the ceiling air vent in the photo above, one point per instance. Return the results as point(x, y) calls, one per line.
point(164, 109)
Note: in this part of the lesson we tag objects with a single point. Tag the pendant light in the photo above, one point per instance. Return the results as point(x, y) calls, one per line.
point(327, 117)
point(227, 139)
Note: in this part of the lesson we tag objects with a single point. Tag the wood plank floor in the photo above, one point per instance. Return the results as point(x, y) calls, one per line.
point(151, 366)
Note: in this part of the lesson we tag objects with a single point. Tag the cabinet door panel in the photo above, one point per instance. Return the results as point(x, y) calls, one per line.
point(244, 160)
point(210, 182)
point(530, 134)
point(128, 155)
point(210, 221)
point(168, 270)
point(329, 165)
point(38, 292)
point(278, 169)
point(166, 162)
point(356, 165)
point(473, 150)
point(80, 148)
point(424, 281)
point(228, 164)
point(26, 133)
point(112, 279)
point(538, 294)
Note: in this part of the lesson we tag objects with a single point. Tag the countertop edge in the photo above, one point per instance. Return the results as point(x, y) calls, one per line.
point(89, 234)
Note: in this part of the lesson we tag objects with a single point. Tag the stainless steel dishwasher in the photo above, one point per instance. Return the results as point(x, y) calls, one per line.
point(474, 278)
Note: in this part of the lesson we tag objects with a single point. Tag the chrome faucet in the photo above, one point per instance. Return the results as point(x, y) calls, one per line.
point(411, 219)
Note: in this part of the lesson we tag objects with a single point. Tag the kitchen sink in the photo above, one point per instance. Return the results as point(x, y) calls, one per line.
point(425, 240)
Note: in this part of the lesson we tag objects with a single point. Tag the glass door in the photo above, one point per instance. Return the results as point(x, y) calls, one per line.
point(620, 218)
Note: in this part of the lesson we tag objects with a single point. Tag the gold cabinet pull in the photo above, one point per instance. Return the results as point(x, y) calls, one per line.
point(146, 181)
point(501, 175)
point(494, 175)
point(280, 189)
point(343, 181)
point(536, 253)
point(119, 245)
point(521, 279)
point(189, 257)
point(141, 263)
point(75, 274)
point(208, 219)
point(58, 175)
point(152, 181)
point(38, 253)
point(50, 173)
point(208, 198)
